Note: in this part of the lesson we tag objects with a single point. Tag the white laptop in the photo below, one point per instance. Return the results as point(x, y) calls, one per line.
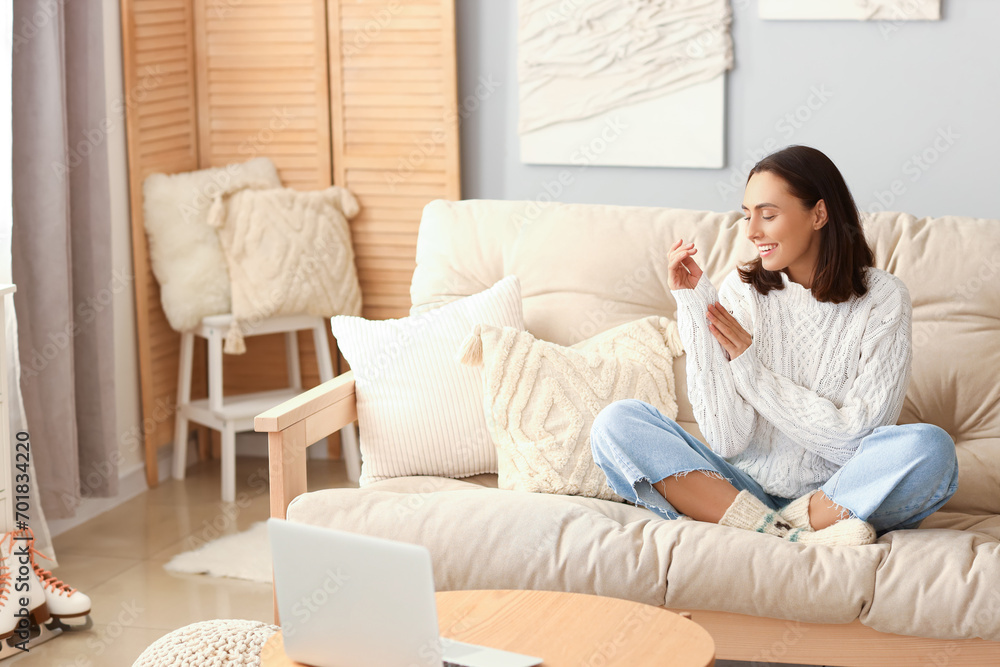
point(348, 600)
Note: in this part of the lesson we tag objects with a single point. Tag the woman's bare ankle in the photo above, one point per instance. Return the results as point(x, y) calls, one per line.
point(703, 497)
point(823, 512)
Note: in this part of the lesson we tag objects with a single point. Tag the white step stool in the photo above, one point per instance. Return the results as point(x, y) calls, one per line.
point(237, 414)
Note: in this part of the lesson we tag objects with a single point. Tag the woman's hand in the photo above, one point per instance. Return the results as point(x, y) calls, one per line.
point(733, 337)
point(682, 271)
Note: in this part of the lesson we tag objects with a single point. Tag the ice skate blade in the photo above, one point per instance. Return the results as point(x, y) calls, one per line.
point(63, 626)
point(38, 635)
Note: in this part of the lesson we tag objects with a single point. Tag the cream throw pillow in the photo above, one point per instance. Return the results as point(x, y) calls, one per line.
point(541, 398)
point(289, 252)
point(420, 411)
point(184, 251)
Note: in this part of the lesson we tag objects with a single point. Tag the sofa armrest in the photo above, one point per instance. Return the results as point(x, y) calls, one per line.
point(297, 423)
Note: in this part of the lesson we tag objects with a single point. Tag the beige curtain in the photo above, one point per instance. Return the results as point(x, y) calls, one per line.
point(11, 388)
point(61, 248)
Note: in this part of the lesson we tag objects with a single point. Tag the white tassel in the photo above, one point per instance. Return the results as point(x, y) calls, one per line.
point(234, 340)
point(471, 352)
point(348, 203)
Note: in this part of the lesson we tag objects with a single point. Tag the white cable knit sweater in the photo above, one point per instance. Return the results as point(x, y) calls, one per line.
point(818, 377)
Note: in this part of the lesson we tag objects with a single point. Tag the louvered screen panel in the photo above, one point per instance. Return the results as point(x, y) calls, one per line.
point(161, 125)
point(263, 90)
point(394, 96)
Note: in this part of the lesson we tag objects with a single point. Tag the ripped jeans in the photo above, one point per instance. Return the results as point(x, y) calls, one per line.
point(899, 475)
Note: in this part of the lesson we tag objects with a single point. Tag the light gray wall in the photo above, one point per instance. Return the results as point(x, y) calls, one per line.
point(907, 106)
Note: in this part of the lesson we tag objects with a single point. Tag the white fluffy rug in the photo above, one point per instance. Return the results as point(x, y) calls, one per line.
point(245, 555)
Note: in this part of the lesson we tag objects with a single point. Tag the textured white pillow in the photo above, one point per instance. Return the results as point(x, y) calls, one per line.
point(541, 398)
point(420, 411)
point(289, 253)
point(184, 252)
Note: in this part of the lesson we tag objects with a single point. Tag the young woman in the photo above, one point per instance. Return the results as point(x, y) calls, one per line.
point(796, 369)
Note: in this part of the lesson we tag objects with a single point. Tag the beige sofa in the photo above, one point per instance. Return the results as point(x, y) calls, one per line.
point(926, 596)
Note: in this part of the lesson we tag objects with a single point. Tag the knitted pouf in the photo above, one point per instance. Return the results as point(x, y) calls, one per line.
point(209, 643)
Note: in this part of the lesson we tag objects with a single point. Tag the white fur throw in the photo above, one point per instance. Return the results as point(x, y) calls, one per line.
point(289, 253)
point(184, 252)
point(541, 398)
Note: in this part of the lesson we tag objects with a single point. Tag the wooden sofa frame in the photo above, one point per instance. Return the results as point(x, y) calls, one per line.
point(325, 409)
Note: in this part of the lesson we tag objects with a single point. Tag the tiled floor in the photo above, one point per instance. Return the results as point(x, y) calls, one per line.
point(117, 558)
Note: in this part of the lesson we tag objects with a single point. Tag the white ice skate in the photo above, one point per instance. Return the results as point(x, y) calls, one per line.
point(8, 601)
point(16, 572)
point(62, 600)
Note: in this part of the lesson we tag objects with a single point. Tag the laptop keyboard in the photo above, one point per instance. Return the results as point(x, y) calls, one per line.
point(457, 650)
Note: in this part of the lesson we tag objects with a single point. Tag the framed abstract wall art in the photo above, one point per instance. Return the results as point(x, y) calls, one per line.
point(604, 82)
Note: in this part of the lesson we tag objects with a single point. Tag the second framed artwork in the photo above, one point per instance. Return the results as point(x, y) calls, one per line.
point(858, 10)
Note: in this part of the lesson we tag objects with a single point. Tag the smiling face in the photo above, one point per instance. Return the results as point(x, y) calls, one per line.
point(776, 217)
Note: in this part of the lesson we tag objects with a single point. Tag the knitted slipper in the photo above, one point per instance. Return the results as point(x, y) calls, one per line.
point(797, 511)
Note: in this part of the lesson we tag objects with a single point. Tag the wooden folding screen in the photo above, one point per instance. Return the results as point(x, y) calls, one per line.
point(162, 131)
point(395, 131)
point(363, 93)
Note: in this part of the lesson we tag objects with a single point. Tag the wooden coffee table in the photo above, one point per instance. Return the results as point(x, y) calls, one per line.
point(566, 629)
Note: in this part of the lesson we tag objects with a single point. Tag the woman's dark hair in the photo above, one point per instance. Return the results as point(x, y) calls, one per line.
point(844, 253)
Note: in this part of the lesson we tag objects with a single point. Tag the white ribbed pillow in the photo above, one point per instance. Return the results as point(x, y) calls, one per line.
point(420, 411)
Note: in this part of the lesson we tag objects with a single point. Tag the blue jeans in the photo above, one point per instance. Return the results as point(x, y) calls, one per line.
point(899, 474)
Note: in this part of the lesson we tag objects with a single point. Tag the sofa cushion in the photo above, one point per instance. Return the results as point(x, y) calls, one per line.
point(940, 580)
point(585, 268)
point(521, 540)
point(951, 267)
point(420, 411)
point(601, 281)
point(541, 398)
